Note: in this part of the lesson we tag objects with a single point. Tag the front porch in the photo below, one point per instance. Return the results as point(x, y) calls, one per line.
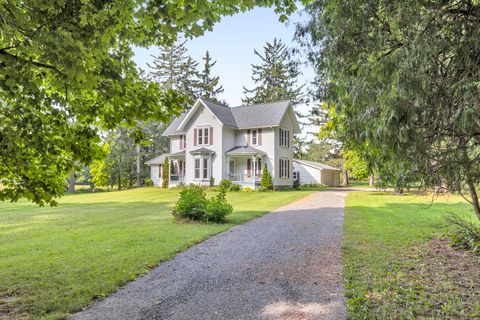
point(245, 166)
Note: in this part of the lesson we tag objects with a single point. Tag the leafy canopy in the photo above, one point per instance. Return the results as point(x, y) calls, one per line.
point(67, 73)
point(403, 79)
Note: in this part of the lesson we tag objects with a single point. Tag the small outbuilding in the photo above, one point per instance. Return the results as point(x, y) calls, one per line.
point(310, 172)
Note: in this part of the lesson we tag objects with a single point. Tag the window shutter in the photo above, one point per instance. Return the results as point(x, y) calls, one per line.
point(249, 136)
point(211, 135)
point(288, 139)
point(280, 167)
point(259, 137)
point(288, 169)
point(181, 142)
point(195, 137)
point(249, 167)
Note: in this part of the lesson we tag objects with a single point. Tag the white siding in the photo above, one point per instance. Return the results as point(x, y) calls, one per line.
point(283, 152)
point(204, 117)
point(155, 174)
point(308, 174)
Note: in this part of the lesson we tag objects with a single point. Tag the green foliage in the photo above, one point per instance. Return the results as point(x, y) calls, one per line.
point(99, 169)
point(68, 74)
point(263, 189)
point(235, 187)
point(266, 181)
point(209, 86)
point(194, 205)
point(247, 189)
point(355, 165)
point(400, 80)
point(165, 173)
point(275, 78)
point(225, 185)
point(218, 208)
point(191, 204)
point(465, 234)
point(212, 181)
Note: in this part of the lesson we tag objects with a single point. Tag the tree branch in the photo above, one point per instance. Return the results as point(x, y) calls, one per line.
point(35, 63)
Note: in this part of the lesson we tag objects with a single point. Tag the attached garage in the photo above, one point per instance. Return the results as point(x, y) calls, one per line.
point(310, 172)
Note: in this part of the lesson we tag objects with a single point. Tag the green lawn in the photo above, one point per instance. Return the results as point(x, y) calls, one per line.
point(53, 261)
point(392, 267)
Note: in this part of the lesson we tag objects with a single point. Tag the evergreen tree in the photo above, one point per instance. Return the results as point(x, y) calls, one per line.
point(275, 77)
point(165, 170)
point(209, 85)
point(174, 69)
point(266, 181)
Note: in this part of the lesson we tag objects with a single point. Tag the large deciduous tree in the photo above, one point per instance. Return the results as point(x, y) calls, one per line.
point(66, 72)
point(403, 78)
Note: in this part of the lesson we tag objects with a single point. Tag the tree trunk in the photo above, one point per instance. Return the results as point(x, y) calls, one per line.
point(345, 176)
point(71, 181)
point(119, 187)
point(371, 183)
point(139, 177)
point(474, 196)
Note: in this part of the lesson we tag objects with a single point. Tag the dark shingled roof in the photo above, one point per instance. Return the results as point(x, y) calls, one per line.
point(202, 150)
point(242, 117)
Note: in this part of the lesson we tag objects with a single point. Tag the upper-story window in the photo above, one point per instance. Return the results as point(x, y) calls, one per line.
point(254, 137)
point(183, 142)
point(284, 137)
point(203, 136)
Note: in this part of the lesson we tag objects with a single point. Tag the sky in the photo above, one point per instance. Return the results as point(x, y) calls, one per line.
point(231, 44)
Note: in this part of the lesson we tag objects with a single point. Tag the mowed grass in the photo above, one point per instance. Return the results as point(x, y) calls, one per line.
point(54, 261)
point(385, 246)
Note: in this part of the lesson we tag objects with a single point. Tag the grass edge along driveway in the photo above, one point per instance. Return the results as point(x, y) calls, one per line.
point(54, 261)
point(396, 267)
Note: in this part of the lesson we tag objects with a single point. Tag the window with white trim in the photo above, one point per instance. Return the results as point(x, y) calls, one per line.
point(296, 175)
point(197, 168)
point(203, 136)
point(254, 134)
point(284, 168)
point(284, 137)
point(205, 168)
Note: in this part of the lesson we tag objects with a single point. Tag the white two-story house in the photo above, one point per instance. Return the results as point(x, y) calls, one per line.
point(214, 141)
point(211, 142)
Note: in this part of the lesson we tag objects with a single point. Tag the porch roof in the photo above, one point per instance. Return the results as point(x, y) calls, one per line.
point(244, 151)
point(177, 154)
point(202, 150)
point(158, 160)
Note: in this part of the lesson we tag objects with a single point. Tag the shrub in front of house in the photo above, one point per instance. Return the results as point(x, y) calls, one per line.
point(266, 181)
point(247, 189)
point(218, 208)
point(194, 205)
point(235, 187)
point(225, 185)
point(191, 204)
point(263, 189)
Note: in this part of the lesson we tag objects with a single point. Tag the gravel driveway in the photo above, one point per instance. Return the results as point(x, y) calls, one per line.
point(284, 265)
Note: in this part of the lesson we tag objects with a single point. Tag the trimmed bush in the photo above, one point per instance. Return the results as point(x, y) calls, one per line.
point(266, 180)
point(235, 187)
point(247, 189)
point(165, 169)
point(218, 208)
point(263, 189)
point(225, 185)
point(192, 204)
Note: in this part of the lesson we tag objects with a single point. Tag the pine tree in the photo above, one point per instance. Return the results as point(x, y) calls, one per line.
point(266, 181)
point(165, 170)
point(174, 69)
point(209, 85)
point(276, 77)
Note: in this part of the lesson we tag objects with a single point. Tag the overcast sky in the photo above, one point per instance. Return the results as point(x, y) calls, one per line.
point(231, 44)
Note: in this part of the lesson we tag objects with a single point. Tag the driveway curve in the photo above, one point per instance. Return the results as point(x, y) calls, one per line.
point(283, 265)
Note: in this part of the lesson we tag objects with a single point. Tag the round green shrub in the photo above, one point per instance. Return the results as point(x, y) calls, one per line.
point(192, 204)
point(218, 208)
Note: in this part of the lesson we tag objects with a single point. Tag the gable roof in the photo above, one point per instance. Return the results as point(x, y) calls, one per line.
point(244, 150)
point(242, 117)
point(317, 165)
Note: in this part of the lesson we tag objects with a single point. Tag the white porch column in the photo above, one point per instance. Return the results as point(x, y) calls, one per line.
point(254, 160)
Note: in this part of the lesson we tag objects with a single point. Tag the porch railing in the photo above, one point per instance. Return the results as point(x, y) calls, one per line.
point(240, 177)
